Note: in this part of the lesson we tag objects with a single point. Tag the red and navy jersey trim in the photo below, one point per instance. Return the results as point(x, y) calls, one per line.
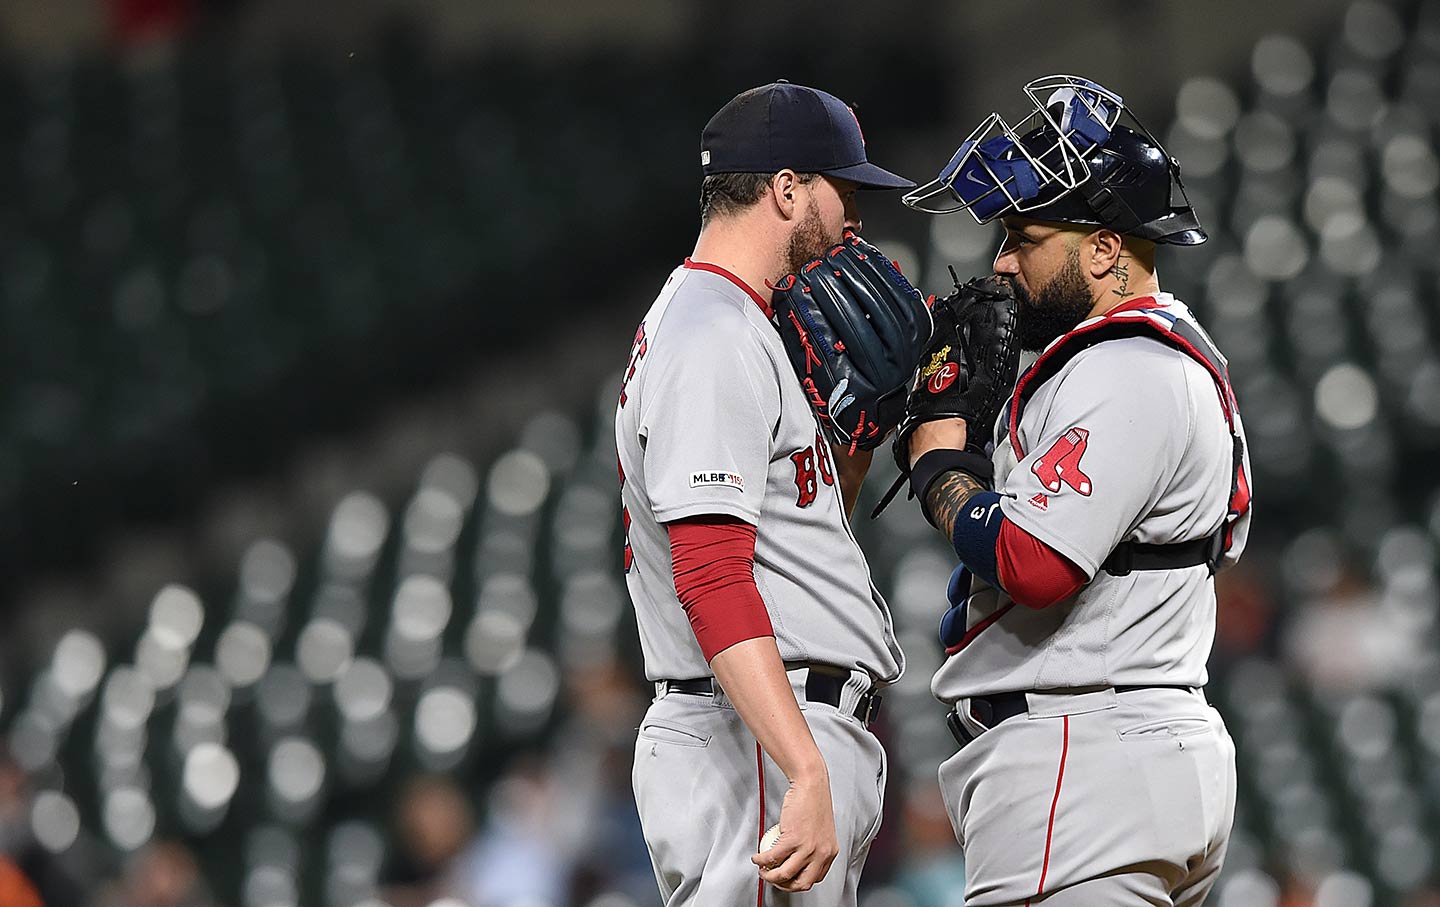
point(1138, 318)
point(692, 265)
point(964, 641)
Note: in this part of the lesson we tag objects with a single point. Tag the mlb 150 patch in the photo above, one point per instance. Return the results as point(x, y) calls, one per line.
point(715, 477)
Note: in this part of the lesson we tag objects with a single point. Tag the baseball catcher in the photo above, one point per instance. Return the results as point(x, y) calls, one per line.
point(1088, 524)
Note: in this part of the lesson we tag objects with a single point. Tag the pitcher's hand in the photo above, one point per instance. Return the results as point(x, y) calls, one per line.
point(807, 845)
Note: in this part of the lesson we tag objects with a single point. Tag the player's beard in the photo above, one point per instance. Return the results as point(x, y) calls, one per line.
point(1063, 302)
point(807, 241)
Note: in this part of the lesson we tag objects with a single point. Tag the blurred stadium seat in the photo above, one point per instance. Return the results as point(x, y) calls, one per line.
point(187, 234)
point(334, 671)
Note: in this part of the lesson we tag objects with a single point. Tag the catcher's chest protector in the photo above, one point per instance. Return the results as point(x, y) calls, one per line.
point(1157, 324)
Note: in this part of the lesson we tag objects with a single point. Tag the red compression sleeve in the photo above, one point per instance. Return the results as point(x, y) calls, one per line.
point(714, 566)
point(1031, 572)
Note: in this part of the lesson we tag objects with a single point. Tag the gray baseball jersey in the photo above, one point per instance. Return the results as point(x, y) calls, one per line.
point(1100, 795)
point(1127, 442)
point(712, 420)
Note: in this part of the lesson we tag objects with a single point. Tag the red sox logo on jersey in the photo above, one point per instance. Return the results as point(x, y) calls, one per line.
point(1061, 463)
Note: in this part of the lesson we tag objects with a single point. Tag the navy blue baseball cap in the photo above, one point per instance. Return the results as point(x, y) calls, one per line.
point(784, 125)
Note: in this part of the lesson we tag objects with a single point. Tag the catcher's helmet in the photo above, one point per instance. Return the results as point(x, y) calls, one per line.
point(1074, 163)
point(1134, 188)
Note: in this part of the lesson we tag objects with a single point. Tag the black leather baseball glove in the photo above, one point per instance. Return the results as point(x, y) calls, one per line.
point(853, 327)
point(967, 370)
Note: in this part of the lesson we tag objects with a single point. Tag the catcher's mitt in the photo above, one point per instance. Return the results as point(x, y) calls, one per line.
point(853, 327)
point(967, 370)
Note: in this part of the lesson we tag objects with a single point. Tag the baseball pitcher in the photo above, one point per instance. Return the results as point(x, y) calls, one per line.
point(741, 453)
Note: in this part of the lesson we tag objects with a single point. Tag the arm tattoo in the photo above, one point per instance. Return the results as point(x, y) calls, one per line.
point(1122, 277)
point(948, 496)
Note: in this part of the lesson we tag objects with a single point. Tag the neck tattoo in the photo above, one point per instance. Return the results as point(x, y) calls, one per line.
point(1122, 277)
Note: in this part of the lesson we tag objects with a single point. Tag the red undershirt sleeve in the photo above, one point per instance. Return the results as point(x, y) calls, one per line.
point(1031, 572)
point(713, 559)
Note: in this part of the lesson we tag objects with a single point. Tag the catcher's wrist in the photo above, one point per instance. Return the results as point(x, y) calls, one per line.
point(943, 430)
point(935, 463)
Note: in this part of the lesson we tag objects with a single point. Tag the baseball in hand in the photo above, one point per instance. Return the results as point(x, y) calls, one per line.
point(767, 840)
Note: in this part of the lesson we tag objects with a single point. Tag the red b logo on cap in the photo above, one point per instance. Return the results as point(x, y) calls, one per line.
point(856, 117)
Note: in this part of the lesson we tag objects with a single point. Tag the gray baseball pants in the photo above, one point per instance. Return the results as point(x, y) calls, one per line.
point(706, 793)
point(1100, 799)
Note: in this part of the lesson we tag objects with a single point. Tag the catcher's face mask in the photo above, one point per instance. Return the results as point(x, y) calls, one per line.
point(994, 172)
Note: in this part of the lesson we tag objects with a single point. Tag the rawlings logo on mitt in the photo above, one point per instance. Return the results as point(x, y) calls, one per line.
point(854, 328)
point(940, 373)
point(973, 361)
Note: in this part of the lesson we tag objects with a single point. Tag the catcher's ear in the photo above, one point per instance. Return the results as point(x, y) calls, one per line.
point(1105, 247)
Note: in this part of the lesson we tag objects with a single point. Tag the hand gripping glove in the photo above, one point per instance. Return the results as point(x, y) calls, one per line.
point(967, 371)
point(853, 327)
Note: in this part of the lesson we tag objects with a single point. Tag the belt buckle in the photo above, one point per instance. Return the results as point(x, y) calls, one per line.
point(868, 708)
point(958, 730)
point(980, 711)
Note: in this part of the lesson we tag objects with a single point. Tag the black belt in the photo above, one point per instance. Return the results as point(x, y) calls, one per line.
point(992, 710)
point(821, 688)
